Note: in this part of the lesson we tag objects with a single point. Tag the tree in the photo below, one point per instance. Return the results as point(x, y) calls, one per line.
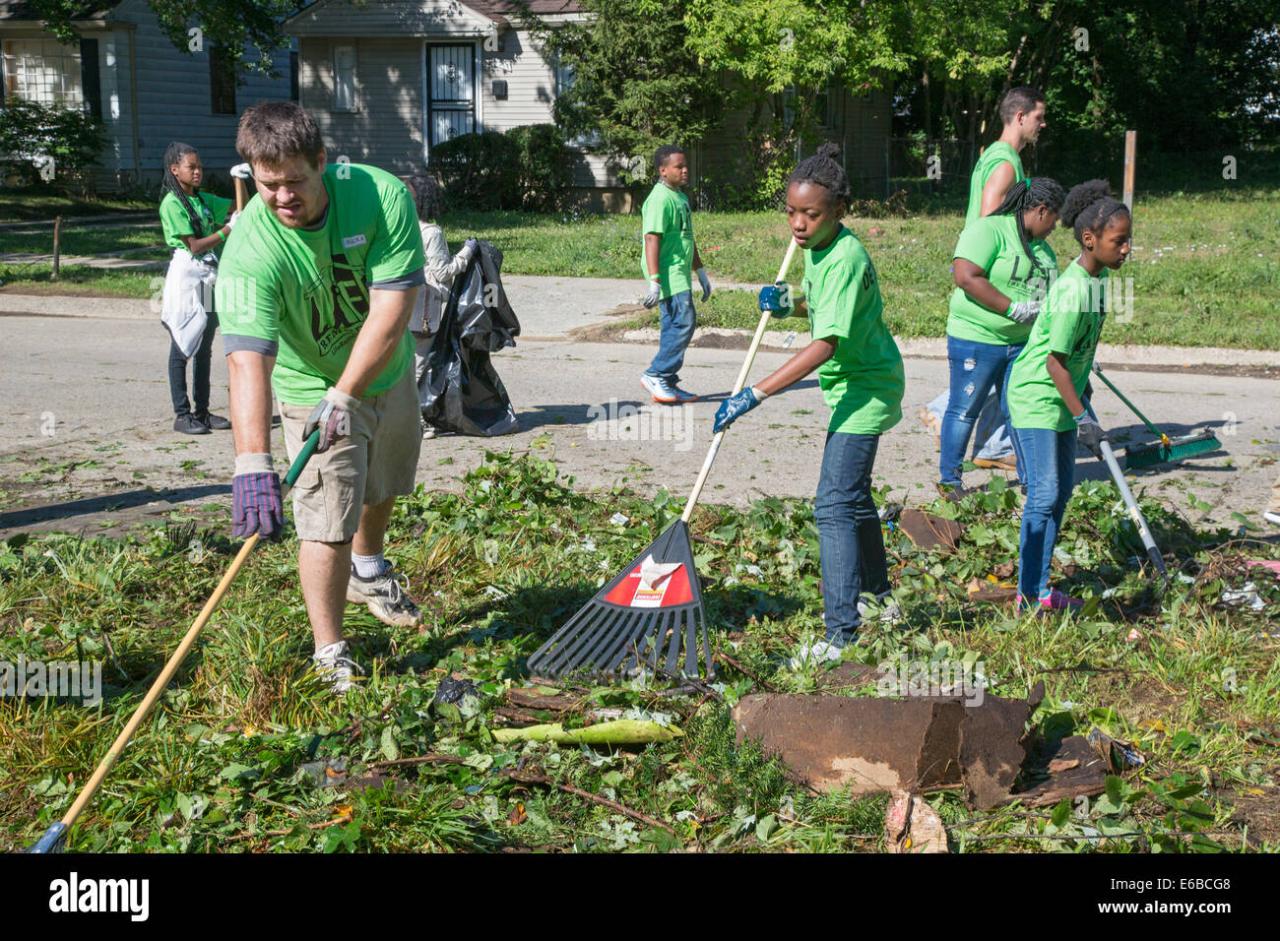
point(230, 24)
point(630, 83)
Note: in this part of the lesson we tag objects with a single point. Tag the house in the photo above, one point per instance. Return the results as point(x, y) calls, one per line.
point(146, 91)
point(389, 79)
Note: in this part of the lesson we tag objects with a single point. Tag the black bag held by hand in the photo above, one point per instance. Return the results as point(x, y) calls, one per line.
point(460, 390)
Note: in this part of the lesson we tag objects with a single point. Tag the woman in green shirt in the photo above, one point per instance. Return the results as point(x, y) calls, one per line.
point(1048, 380)
point(1001, 268)
point(195, 225)
point(862, 379)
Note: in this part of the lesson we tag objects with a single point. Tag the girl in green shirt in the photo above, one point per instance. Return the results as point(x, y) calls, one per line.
point(1048, 380)
point(861, 375)
point(195, 225)
point(1001, 267)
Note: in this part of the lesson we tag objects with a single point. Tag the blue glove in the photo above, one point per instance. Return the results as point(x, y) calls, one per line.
point(734, 407)
point(773, 298)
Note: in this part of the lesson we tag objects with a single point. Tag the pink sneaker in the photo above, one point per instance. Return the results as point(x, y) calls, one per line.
point(1054, 601)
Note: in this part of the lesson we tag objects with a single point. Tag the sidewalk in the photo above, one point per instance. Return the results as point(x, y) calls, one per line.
point(555, 308)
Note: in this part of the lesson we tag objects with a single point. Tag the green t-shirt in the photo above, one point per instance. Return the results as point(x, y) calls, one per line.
point(213, 212)
point(666, 213)
point(992, 157)
point(1069, 323)
point(304, 295)
point(992, 244)
point(864, 381)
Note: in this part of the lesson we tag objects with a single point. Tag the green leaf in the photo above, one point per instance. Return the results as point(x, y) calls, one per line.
point(389, 748)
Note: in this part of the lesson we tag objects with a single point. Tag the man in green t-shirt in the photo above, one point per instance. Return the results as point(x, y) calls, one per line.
point(316, 289)
point(669, 257)
point(1000, 166)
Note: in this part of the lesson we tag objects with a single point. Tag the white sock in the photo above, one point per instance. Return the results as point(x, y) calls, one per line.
point(368, 566)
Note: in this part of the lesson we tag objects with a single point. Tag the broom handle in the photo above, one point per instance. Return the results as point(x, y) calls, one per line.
point(175, 660)
point(1140, 521)
point(241, 188)
point(1133, 408)
point(737, 387)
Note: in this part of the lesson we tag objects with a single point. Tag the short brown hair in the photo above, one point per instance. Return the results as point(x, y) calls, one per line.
point(274, 132)
point(1023, 98)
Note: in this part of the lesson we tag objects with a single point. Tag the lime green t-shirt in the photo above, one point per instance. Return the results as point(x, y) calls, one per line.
point(992, 244)
point(666, 213)
point(864, 381)
point(992, 157)
point(1069, 323)
point(213, 212)
point(304, 295)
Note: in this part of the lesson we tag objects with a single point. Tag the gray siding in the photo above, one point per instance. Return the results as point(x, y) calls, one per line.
point(174, 101)
point(389, 19)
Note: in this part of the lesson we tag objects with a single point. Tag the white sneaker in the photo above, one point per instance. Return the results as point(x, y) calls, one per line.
point(333, 663)
point(890, 612)
point(1272, 517)
point(428, 431)
point(660, 389)
point(819, 651)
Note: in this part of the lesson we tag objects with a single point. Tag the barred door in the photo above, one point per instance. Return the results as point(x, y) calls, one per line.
point(451, 91)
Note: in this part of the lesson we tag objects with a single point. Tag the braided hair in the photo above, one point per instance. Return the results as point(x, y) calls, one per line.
point(174, 154)
point(428, 198)
point(1090, 206)
point(824, 169)
point(1029, 194)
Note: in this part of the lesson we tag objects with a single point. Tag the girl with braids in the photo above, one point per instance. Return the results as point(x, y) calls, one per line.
point(862, 379)
point(195, 226)
point(1049, 379)
point(1001, 268)
point(440, 271)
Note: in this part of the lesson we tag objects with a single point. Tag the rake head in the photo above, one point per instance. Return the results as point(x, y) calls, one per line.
point(648, 616)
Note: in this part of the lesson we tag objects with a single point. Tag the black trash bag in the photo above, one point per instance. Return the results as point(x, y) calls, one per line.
point(460, 390)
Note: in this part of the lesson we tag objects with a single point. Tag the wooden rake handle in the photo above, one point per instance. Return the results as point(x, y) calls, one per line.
point(54, 835)
point(737, 387)
point(241, 190)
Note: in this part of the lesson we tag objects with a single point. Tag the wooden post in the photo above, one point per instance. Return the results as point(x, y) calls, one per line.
point(1130, 161)
point(57, 247)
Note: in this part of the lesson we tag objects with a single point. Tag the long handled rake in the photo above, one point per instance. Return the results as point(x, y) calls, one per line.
point(651, 613)
point(53, 839)
point(1164, 449)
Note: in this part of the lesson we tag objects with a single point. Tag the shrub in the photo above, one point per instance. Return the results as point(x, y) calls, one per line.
point(28, 131)
point(525, 168)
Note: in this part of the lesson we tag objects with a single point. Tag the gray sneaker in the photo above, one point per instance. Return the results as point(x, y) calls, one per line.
point(386, 597)
point(334, 664)
point(659, 389)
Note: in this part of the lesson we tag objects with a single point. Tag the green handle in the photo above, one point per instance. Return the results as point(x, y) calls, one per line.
point(299, 462)
point(1133, 408)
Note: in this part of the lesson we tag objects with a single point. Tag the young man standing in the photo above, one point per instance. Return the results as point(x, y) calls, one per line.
point(1000, 166)
point(316, 290)
point(669, 256)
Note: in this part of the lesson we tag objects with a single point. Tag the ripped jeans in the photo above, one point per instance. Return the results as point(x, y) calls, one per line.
point(975, 369)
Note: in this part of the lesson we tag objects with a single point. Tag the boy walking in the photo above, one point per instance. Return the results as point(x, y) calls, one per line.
point(670, 255)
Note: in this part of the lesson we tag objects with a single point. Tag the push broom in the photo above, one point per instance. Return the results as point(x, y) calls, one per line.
point(651, 613)
point(53, 839)
point(1164, 449)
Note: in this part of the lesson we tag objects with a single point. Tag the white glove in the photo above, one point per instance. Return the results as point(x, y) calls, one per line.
point(653, 296)
point(705, 282)
point(242, 171)
point(1023, 311)
point(231, 221)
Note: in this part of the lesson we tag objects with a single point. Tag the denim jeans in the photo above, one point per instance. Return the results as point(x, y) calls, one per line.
point(849, 537)
point(976, 368)
point(1050, 474)
point(199, 372)
point(678, 321)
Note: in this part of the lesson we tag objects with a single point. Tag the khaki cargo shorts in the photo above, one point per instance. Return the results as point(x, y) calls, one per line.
point(377, 461)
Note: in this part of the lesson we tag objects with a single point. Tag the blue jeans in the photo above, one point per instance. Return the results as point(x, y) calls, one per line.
point(976, 368)
point(849, 538)
point(678, 321)
point(1050, 475)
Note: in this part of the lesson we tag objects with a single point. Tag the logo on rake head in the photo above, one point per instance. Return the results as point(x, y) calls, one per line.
point(653, 584)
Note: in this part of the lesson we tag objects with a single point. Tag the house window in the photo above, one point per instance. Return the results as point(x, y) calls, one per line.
point(42, 70)
point(222, 82)
point(344, 78)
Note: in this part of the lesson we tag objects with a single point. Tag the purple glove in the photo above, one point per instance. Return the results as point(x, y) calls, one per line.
point(332, 416)
point(256, 505)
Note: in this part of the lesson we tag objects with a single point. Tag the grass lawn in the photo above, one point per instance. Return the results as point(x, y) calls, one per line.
point(1192, 682)
point(37, 204)
point(1205, 269)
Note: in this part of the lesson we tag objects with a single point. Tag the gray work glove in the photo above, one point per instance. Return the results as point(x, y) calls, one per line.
point(1090, 434)
point(653, 296)
point(1023, 311)
point(332, 416)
